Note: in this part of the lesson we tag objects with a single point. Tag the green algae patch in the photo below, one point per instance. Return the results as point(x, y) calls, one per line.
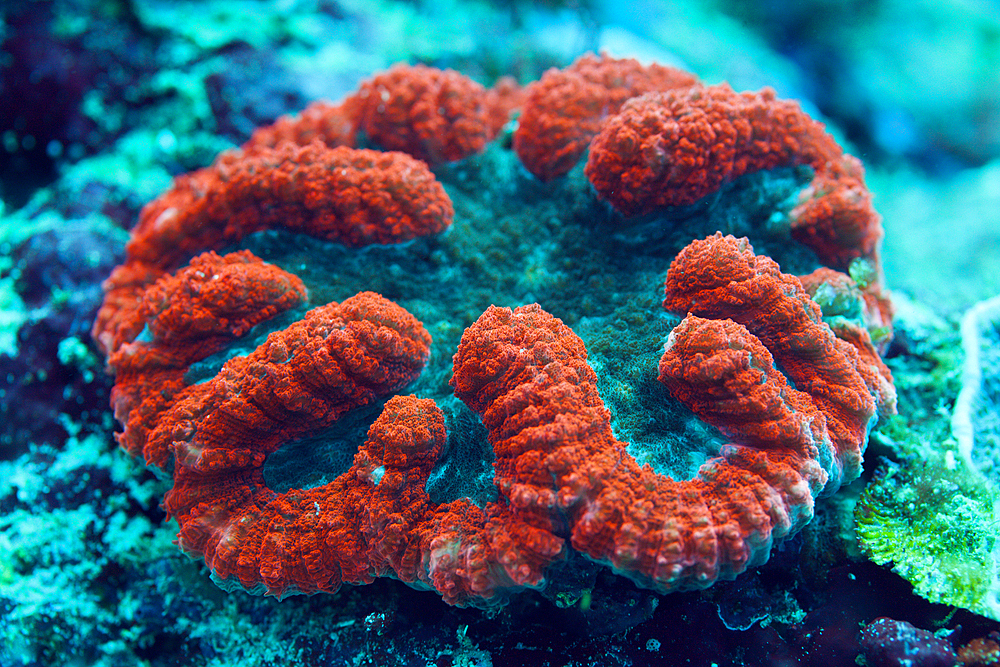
point(938, 529)
point(925, 512)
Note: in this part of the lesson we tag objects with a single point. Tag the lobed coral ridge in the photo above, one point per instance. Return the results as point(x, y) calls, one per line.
point(561, 468)
point(670, 149)
point(566, 108)
point(189, 316)
point(722, 278)
point(354, 196)
point(563, 480)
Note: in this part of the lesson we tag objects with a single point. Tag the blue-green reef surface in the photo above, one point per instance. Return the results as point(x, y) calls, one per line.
point(102, 103)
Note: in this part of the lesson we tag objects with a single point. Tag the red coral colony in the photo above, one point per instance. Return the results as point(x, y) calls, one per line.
point(751, 357)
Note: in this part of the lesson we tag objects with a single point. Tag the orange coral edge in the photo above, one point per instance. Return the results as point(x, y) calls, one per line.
point(657, 138)
point(339, 194)
point(672, 148)
point(561, 468)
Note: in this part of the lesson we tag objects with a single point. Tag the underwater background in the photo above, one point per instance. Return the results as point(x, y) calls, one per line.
point(102, 104)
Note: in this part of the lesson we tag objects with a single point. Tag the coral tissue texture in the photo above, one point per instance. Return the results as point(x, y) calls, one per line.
point(561, 467)
point(189, 316)
point(673, 148)
point(434, 115)
point(355, 196)
point(341, 356)
point(565, 108)
point(721, 278)
point(753, 357)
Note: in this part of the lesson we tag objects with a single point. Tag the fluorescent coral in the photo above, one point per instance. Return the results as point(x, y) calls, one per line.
point(565, 108)
point(434, 115)
point(753, 358)
point(722, 278)
point(339, 357)
point(937, 529)
point(211, 302)
point(431, 114)
point(106, 108)
point(560, 465)
point(672, 148)
point(932, 515)
point(333, 124)
point(357, 197)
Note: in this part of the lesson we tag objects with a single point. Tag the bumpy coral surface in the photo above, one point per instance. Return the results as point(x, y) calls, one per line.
point(210, 302)
point(341, 356)
point(434, 115)
point(936, 528)
point(333, 124)
point(835, 215)
point(861, 305)
point(721, 277)
point(560, 466)
point(505, 98)
point(727, 377)
point(673, 148)
point(355, 196)
point(566, 108)
point(189, 316)
point(753, 357)
point(431, 114)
